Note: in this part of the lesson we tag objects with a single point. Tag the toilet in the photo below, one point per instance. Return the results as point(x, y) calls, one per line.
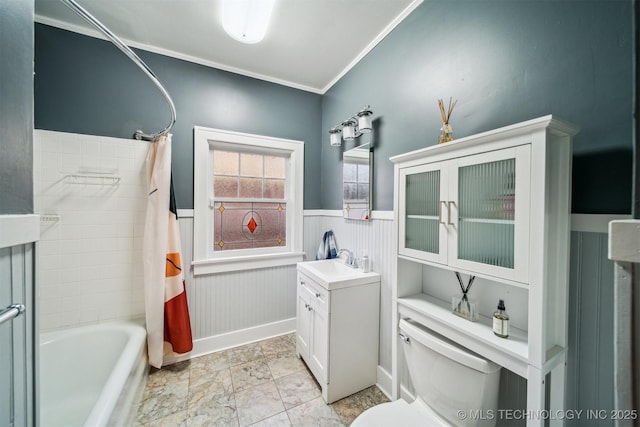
point(447, 379)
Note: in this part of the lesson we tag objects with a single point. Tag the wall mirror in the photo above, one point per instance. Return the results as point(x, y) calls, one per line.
point(356, 182)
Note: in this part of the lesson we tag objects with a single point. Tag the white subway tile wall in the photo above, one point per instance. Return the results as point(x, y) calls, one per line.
point(90, 263)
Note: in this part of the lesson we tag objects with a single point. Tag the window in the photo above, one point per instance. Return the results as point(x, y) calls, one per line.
point(247, 201)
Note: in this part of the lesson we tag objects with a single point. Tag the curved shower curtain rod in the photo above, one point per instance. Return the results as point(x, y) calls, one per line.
point(139, 135)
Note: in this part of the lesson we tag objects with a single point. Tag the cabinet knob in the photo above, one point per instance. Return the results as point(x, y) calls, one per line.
point(309, 308)
point(306, 306)
point(317, 294)
point(302, 282)
point(404, 338)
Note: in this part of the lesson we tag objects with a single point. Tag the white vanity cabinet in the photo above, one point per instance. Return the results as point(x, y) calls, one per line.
point(313, 326)
point(497, 206)
point(338, 331)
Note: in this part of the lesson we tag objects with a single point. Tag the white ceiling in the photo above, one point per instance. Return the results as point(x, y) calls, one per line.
point(310, 44)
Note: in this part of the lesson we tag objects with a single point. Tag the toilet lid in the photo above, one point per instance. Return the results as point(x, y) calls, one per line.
point(398, 414)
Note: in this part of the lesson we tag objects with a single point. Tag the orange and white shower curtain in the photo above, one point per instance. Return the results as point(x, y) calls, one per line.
point(166, 309)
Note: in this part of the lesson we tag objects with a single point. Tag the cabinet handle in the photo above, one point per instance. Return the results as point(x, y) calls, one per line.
point(404, 338)
point(317, 294)
point(449, 212)
point(440, 212)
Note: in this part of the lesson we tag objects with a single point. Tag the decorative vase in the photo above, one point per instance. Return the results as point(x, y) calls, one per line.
point(447, 133)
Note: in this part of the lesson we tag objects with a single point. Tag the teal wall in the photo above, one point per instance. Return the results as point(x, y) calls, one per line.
point(16, 107)
point(505, 62)
point(85, 85)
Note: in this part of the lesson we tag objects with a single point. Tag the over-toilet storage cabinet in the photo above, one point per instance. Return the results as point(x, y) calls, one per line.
point(497, 206)
point(337, 334)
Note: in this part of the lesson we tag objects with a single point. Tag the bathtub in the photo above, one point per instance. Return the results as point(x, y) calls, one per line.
point(92, 375)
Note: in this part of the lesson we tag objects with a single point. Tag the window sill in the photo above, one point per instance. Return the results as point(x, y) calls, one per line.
point(237, 263)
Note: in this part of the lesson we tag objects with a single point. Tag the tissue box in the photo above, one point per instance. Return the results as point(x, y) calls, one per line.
point(465, 308)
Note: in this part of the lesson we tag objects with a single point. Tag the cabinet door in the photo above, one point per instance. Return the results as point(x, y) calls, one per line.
point(422, 228)
point(303, 321)
point(489, 211)
point(319, 344)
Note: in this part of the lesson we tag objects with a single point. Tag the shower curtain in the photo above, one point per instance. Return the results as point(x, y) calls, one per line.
point(166, 309)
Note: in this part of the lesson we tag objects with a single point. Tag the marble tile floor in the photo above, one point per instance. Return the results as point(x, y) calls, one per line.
point(258, 384)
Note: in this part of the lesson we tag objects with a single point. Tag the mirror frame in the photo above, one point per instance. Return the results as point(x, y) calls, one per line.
point(358, 209)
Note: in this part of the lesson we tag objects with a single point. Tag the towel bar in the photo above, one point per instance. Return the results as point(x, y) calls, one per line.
point(12, 311)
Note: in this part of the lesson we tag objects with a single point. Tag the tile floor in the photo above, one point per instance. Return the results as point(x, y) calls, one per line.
point(259, 384)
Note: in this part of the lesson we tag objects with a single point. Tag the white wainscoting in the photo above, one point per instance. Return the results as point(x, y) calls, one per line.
point(18, 336)
point(229, 309)
point(234, 308)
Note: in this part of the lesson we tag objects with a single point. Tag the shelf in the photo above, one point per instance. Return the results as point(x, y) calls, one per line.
point(49, 218)
point(431, 217)
point(92, 178)
point(509, 282)
point(512, 352)
point(468, 220)
point(487, 221)
point(483, 219)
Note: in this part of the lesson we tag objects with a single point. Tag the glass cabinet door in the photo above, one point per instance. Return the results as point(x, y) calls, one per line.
point(489, 212)
point(422, 232)
point(486, 199)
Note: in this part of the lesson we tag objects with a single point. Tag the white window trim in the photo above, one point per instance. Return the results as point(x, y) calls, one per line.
point(203, 261)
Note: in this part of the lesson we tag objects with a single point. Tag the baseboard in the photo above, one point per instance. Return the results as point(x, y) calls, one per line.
point(385, 385)
point(243, 336)
point(227, 340)
point(406, 394)
point(384, 382)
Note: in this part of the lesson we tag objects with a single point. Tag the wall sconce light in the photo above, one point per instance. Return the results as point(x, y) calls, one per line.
point(352, 127)
point(335, 137)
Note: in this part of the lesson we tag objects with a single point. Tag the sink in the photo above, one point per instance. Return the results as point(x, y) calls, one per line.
point(334, 274)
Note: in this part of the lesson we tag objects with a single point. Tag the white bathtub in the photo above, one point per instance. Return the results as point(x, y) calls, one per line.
point(92, 375)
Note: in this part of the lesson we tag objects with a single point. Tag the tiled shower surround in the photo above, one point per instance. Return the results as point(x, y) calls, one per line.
point(91, 236)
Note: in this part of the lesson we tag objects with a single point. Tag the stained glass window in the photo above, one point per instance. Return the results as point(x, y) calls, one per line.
point(249, 200)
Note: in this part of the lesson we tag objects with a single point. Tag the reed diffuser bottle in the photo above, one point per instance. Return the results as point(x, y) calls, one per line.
point(501, 321)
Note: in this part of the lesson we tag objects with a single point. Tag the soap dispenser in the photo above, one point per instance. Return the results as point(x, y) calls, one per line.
point(501, 321)
point(366, 263)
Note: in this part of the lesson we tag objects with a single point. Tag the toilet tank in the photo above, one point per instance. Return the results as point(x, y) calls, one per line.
point(449, 378)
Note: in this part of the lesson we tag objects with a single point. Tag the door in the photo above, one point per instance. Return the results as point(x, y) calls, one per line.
point(422, 227)
point(17, 361)
point(489, 213)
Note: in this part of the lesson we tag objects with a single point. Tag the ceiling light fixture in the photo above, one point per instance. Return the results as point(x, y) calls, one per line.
point(246, 20)
point(352, 127)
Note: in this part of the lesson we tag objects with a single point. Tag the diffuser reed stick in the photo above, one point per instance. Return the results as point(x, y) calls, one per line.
point(447, 132)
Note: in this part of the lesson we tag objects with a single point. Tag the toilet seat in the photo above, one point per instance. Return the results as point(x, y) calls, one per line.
point(400, 414)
